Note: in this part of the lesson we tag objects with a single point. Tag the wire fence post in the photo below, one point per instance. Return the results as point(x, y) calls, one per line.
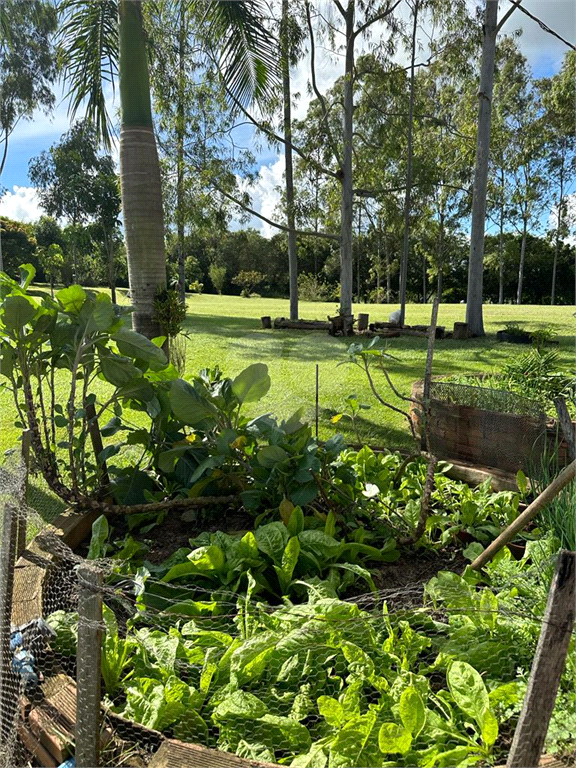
point(7, 556)
point(88, 663)
point(547, 666)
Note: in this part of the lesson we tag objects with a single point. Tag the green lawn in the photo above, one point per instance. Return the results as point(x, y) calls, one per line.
point(226, 331)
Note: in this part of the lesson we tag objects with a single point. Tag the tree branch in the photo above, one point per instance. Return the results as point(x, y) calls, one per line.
point(283, 227)
point(271, 134)
point(319, 96)
point(374, 19)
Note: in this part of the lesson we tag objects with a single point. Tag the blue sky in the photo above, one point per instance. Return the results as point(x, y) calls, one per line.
point(544, 53)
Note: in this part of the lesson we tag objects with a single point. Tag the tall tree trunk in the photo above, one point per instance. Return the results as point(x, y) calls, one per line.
point(346, 210)
point(522, 259)
point(558, 233)
point(388, 275)
point(358, 254)
point(408, 193)
point(180, 134)
point(474, 316)
point(501, 258)
point(440, 256)
point(111, 266)
point(140, 173)
point(501, 245)
point(289, 172)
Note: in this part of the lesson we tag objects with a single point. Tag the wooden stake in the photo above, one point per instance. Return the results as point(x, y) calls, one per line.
point(530, 512)
point(8, 683)
point(566, 425)
point(88, 666)
point(22, 512)
point(547, 667)
point(96, 437)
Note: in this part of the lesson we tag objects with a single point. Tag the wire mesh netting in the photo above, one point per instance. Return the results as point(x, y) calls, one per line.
point(428, 670)
point(491, 427)
point(499, 400)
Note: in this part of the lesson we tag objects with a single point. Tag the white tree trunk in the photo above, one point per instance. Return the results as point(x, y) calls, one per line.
point(408, 194)
point(476, 263)
point(289, 173)
point(522, 260)
point(346, 256)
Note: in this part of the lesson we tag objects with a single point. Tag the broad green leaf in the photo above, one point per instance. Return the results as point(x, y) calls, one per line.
point(319, 543)
point(412, 712)
point(248, 546)
point(296, 522)
point(392, 738)
point(332, 711)
point(252, 383)
point(289, 560)
point(201, 560)
point(191, 727)
point(286, 733)
point(187, 404)
point(489, 728)
point(271, 455)
point(468, 690)
point(194, 608)
point(103, 313)
point(488, 608)
point(272, 539)
point(118, 370)
point(330, 525)
point(135, 345)
point(522, 482)
point(240, 704)
point(17, 311)
point(100, 532)
point(27, 274)
point(72, 299)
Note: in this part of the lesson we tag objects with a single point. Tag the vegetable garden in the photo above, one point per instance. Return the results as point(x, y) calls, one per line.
point(265, 593)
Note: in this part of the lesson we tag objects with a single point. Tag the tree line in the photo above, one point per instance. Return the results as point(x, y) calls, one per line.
point(383, 175)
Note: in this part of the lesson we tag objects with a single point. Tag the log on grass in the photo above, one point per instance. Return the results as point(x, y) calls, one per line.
point(301, 325)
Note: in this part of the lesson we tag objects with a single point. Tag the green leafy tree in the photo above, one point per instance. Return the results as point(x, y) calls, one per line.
point(51, 258)
point(76, 182)
point(217, 275)
point(27, 64)
point(248, 280)
point(17, 245)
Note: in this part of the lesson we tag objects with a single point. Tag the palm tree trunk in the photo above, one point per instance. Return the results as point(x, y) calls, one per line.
point(289, 173)
point(408, 193)
point(140, 173)
point(474, 316)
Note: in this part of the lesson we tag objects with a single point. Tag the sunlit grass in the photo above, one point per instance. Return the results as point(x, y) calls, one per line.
point(226, 331)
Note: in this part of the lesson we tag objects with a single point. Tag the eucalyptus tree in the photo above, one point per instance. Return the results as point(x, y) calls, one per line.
point(194, 123)
point(77, 183)
point(106, 41)
point(558, 95)
point(509, 80)
point(529, 182)
point(28, 65)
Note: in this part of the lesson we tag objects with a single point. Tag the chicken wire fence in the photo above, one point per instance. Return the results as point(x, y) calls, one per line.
point(430, 673)
point(492, 427)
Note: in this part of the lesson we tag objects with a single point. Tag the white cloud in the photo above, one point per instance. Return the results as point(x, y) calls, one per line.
point(266, 196)
point(21, 204)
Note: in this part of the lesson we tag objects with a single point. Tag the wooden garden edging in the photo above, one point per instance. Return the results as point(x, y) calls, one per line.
point(48, 729)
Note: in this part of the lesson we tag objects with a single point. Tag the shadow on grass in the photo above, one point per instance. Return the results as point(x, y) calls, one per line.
point(46, 504)
point(366, 431)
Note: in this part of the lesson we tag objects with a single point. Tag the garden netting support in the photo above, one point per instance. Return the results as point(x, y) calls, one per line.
point(430, 672)
point(488, 427)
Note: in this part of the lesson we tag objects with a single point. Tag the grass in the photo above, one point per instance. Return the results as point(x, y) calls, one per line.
point(226, 331)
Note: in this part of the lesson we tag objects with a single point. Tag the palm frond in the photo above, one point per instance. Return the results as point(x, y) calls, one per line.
point(246, 52)
point(89, 53)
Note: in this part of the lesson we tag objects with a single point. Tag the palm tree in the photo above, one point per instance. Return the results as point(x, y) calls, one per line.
point(105, 41)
